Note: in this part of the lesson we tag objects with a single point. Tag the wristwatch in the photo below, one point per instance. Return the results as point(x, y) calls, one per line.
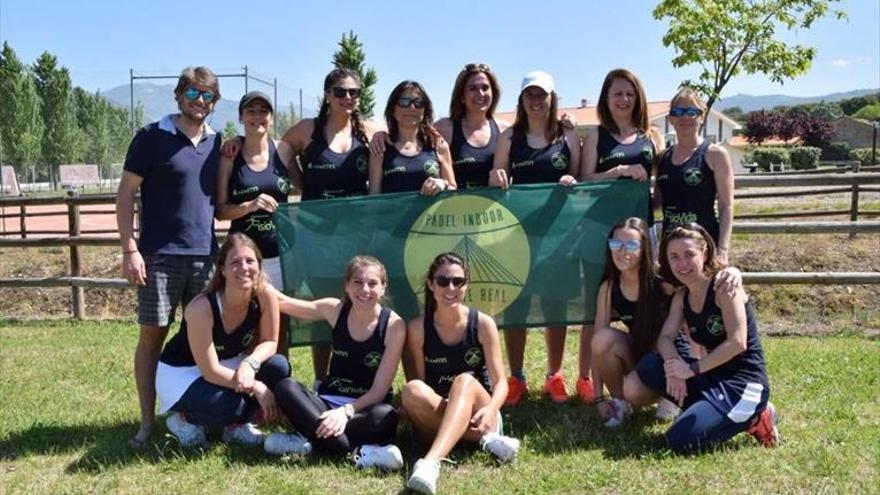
point(253, 363)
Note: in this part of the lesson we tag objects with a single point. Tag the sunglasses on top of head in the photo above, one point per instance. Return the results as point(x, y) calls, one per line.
point(480, 67)
point(444, 282)
point(192, 94)
point(341, 92)
point(685, 111)
point(404, 102)
point(631, 246)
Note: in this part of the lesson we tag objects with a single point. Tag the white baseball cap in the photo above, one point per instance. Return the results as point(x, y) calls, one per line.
point(540, 79)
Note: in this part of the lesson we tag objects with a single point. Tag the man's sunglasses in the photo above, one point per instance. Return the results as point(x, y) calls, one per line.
point(341, 92)
point(444, 282)
point(688, 111)
point(404, 102)
point(631, 246)
point(192, 94)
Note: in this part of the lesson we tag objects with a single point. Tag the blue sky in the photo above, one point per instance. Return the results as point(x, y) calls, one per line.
point(576, 41)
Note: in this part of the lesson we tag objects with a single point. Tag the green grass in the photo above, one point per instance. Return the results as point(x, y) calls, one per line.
point(67, 406)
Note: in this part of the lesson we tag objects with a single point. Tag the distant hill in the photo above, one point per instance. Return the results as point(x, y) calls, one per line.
point(749, 103)
point(158, 100)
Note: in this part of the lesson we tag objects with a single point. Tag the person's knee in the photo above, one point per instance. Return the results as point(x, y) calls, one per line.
point(415, 394)
point(462, 384)
point(603, 341)
point(274, 369)
point(382, 418)
point(635, 392)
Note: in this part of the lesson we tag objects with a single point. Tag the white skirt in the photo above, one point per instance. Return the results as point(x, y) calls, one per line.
point(173, 381)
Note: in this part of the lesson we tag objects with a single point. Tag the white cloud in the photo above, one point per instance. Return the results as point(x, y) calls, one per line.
point(841, 63)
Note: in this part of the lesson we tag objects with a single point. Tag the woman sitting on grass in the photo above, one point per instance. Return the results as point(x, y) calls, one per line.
point(459, 382)
point(351, 410)
point(725, 392)
point(222, 366)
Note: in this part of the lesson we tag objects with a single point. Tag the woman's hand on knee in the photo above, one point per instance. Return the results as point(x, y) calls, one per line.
point(266, 399)
point(333, 423)
point(485, 420)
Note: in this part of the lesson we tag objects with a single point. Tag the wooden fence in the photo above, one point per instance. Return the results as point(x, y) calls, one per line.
point(75, 237)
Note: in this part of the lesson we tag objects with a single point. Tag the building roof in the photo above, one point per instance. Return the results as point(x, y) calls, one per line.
point(587, 116)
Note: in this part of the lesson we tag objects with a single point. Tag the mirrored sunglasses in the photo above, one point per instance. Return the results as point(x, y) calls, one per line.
point(192, 94)
point(685, 111)
point(631, 246)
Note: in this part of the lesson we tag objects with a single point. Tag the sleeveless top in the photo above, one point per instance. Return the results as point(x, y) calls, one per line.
point(688, 191)
point(408, 173)
point(227, 344)
point(470, 163)
point(610, 152)
point(445, 362)
point(328, 174)
point(534, 166)
point(245, 184)
point(707, 329)
point(353, 364)
point(627, 310)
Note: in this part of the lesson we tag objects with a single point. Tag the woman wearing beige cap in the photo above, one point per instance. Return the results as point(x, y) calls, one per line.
point(537, 149)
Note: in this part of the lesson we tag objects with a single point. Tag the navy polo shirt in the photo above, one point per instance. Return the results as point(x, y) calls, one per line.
point(177, 192)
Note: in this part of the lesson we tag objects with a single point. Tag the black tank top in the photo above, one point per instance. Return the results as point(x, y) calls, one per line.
point(611, 152)
point(471, 164)
point(245, 185)
point(688, 191)
point(328, 174)
point(407, 173)
point(353, 364)
point(444, 362)
point(227, 344)
point(707, 329)
point(534, 166)
point(626, 311)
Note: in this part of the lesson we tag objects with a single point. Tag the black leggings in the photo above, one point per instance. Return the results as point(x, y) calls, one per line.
point(376, 424)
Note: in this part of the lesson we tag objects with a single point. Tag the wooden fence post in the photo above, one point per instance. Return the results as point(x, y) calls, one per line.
point(77, 295)
point(22, 215)
point(854, 204)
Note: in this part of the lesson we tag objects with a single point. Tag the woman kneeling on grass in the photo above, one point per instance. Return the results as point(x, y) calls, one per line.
point(459, 385)
point(351, 410)
point(725, 392)
point(222, 366)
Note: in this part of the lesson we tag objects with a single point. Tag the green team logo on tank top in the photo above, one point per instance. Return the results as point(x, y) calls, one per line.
point(648, 153)
point(693, 176)
point(432, 168)
point(559, 161)
point(485, 234)
point(372, 360)
point(473, 356)
point(361, 163)
point(248, 338)
point(283, 185)
point(715, 325)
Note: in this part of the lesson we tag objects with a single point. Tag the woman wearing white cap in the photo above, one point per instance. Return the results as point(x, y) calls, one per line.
point(537, 149)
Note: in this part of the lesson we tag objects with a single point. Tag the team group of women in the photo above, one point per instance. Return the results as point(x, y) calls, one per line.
point(686, 333)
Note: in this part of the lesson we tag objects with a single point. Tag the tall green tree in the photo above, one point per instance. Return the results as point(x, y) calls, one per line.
point(729, 37)
point(21, 126)
point(61, 140)
point(350, 55)
point(229, 130)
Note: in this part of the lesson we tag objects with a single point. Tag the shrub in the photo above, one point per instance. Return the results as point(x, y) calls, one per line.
point(805, 157)
point(764, 156)
point(835, 151)
point(869, 112)
point(864, 155)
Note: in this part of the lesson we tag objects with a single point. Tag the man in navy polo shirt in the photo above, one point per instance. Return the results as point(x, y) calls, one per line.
point(174, 164)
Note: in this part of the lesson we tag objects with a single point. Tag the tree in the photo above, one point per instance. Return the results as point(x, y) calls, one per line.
point(727, 37)
point(229, 130)
point(350, 55)
point(735, 113)
point(852, 105)
point(869, 112)
point(759, 126)
point(21, 127)
point(789, 123)
point(60, 142)
point(816, 130)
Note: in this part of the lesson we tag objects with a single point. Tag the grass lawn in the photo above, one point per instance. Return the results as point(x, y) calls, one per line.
point(68, 404)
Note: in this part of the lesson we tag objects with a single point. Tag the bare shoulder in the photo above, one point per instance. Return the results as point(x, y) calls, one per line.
point(486, 322)
point(199, 307)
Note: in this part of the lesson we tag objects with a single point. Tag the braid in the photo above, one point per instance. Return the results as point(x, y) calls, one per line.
point(357, 127)
point(322, 113)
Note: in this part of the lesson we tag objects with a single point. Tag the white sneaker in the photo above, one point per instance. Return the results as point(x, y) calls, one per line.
point(424, 476)
point(245, 433)
point(503, 447)
point(187, 434)
point(278, 443)
point(622, 411)
point(386, 457)
point(666, 410)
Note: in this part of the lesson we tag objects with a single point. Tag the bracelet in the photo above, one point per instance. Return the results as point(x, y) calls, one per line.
point(695, 367)
point(129, 252)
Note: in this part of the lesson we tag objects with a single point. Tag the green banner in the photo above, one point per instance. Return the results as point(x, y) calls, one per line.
point(535, 252)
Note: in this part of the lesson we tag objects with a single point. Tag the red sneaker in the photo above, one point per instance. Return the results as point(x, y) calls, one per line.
point(555, 387)
point(516, 391)
point(764, 429)
point(585, 389)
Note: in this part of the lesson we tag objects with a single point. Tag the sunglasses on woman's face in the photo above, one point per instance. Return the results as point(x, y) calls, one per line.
point(631, 246)
point(341, 92)
point(444, 281)
point(405, 102)
point(192, 94)
point(685, 111)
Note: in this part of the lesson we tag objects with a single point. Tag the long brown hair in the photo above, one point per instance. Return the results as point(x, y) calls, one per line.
point(425, 134)
point(457, 109)
point(218, 281)
point(330, 80)
point(554, 129)
point(440, 260)
point(697, 233)
point(357, 263)
point(647, 321)
point(639, 117)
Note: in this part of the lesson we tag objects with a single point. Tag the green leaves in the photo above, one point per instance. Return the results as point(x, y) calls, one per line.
point(350, 55)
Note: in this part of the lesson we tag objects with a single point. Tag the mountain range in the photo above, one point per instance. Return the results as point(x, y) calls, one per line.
point(749, 103)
